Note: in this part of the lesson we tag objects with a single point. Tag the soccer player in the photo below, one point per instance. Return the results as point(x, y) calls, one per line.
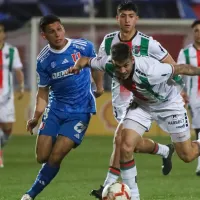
point(65, 100)
point(191, 55)
point(9, 62)
point(156, 98)
point(142, 45)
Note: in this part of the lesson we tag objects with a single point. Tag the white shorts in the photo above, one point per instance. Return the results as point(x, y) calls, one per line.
point(195, 114)
point(7, 111)
point(176, 124)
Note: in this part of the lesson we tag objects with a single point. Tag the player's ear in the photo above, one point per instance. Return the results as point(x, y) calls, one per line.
point(43, 35)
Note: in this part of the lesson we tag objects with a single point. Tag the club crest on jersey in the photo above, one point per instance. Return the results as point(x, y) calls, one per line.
point(135, 49)
point(53, 64)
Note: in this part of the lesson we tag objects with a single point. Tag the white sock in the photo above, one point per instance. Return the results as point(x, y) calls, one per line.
point(112, 176)
point(161, 150)
point(129, 177)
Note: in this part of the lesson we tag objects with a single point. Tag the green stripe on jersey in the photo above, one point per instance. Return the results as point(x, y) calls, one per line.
point(187, 57)
point(144, 46)
point(108, 42)
point(11, 56)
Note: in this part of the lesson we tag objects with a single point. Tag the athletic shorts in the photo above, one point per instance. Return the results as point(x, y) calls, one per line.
point(7, 111)
point(172, 119)
point(71, 125)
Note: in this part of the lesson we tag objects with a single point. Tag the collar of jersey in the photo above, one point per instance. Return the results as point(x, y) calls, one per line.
point(63, 49)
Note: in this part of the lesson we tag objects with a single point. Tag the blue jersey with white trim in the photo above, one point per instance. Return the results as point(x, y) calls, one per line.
point(68, 92)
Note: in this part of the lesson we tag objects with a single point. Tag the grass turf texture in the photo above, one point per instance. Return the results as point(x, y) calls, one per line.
point(85, 168)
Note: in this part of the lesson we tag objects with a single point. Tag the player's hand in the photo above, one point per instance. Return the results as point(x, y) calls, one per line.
point(74, 70)
point(98, 93)
point(21, 94)
point(185, 97)
point(31, 124)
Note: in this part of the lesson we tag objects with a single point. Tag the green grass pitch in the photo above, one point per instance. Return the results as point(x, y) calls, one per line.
point(86, 167)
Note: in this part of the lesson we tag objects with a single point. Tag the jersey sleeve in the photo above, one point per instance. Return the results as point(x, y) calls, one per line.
point(158, 72)
point(181, 58)
point(17, 64)
point(102, 50)
point(43, 78)
point(156, 50)
point(99, 63)
point(90, 51)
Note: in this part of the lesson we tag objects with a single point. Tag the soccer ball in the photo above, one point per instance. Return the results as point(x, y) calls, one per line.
point(116, 191)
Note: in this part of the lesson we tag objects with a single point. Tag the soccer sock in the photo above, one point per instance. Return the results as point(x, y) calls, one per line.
point(161, 149)
point(4, 137)
point(112, 176)
point(129, 177)
point(45, 176)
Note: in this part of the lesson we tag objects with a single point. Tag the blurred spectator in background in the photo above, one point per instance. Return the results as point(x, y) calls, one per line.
point(9, 60)
point(191, 55)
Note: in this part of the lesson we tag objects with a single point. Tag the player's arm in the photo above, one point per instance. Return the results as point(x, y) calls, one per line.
point(17, 66)
point(20, 80)
point(96, 63)
point(41, 102)
point(98, 79)
point(43, 80)
point(185, 69)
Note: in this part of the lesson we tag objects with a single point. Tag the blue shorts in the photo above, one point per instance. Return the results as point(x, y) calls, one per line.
point(71, 125)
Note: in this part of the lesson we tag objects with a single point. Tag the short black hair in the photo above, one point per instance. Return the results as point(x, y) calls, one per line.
point(196, 22)
point(127, 5)
point(48, 19)
point(120, 52)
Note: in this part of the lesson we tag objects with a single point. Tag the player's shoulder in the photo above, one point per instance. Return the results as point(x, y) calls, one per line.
point(44, 54)
point(81, 42)
point(143, 35)
point(189, 46)
point(111, 35)
point(9, 46)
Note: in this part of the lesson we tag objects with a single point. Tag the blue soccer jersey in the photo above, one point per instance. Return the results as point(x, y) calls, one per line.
point(68, 92)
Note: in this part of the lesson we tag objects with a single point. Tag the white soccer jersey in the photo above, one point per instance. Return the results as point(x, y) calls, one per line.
point(190, 55)
point(141, 45)
point(150, 82)
point(9, 59)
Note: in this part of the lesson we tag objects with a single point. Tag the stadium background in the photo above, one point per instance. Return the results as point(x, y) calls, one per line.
point(168, 21)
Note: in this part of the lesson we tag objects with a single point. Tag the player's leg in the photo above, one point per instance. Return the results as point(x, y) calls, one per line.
point(47, 134)
point(7, 118)
point(70, 135)
point(197, 132)
point(179, 129)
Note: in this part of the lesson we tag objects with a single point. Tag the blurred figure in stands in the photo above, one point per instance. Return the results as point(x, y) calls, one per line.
point(9, 62)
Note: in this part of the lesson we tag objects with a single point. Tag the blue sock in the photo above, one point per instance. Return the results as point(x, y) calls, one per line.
point(45, 176)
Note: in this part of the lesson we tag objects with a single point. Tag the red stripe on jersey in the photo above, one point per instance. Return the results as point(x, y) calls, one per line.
point(122, 88)
point(1, 70)
point(198, 63)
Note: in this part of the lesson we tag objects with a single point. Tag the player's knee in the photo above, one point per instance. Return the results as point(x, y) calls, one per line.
point(41, 159)
point(185, 157)
point(126, 149)
point(55, 159)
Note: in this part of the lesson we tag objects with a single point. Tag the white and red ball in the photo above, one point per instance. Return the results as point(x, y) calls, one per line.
point(116, 191)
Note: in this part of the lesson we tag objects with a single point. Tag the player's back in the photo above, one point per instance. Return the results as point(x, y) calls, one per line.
point(68, 91)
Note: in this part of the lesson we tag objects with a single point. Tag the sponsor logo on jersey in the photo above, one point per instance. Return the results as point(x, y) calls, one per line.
point(60, 74)
point(65, 61)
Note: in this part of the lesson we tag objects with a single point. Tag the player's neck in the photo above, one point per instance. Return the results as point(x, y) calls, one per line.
point(127, 36)
point(197, 45)
point(1, 45)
